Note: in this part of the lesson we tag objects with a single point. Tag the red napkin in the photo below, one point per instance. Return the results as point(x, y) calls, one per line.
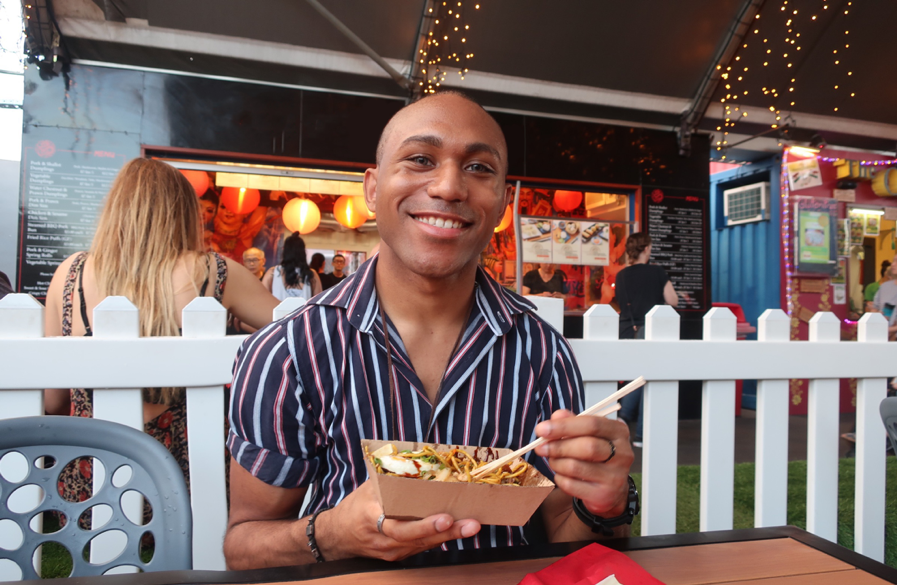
point(591, 565)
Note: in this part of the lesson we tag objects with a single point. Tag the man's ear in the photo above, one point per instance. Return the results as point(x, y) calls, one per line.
point(370, 189)
point(506, 200)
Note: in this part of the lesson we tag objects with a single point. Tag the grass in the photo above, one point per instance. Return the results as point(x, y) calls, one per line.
point(688, 501)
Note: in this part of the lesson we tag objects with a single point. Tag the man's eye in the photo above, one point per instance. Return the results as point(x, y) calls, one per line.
point(420, 160)
point(479, 168)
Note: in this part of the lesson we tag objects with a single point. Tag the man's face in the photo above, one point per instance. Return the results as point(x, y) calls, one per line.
point(338, 264)
point(439, 189)
point(208, 210)
point(252, 262)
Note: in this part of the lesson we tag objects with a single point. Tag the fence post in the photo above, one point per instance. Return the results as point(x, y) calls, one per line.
point(717, 433)
point(771, 479)
point(287, 306)
point(204, 317)
point(869, 508)
point(661, 430)
point(21, 316)
point(822, 439)
point(115, 318)
point(550, 309)
point(600, 323)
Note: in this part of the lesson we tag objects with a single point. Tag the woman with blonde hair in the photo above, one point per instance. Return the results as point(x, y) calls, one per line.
point(148, 247)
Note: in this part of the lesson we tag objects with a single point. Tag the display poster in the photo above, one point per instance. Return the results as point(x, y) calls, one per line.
point(595, 238)
point(857, 228)
point(566, 245)
point(841, 276)
point(65, 177)
point(815, 238)
point(843, 241)
point(676, 224)
point(535, 237)
point(839, 294)
point(873, 225)
point(804, 173)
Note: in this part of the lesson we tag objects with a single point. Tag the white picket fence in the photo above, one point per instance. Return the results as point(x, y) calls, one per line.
point(116, 362)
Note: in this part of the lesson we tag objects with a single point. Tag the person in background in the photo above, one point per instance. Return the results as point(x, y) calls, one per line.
point(317, 263)
point(254, 261)
point(5, 286)
point(337, 276)
point(147, 247)
point(885, 299)
point(293, 277)
point(208, 206)
point(872, 287)
point(545, 281)
point(639, 287)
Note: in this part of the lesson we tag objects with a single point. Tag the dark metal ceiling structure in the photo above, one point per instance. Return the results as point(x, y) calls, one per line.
point(639, 62)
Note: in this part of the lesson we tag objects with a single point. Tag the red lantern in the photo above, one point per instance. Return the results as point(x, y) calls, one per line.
point(240, 200)
point(301, 215)
point(567, 200)
point(346, 212)
point(199, 180)
point(505, 220)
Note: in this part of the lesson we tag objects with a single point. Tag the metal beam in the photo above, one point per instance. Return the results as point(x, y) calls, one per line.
point(423, 32)
point(367, 50)
point(734, 37)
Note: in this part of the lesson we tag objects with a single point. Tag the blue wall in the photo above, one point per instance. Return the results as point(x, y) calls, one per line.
point(745, 259)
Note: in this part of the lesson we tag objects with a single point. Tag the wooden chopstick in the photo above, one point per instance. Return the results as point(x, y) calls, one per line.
point(601, 408)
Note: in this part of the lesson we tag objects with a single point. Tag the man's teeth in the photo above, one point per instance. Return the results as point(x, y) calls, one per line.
point(439, 222)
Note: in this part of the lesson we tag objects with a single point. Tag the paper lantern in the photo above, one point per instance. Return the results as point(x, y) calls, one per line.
point(199, 180)
point(567, 200)
point(301, 215)
point(505, 220)
point(346, 212)
point(240, 200)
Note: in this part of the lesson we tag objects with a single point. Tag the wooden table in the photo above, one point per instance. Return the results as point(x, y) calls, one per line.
point(758, 556)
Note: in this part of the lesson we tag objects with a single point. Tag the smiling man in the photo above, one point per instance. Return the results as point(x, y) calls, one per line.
point(419, 344)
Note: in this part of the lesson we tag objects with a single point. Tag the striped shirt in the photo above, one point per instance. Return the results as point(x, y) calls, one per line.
point(309, 387)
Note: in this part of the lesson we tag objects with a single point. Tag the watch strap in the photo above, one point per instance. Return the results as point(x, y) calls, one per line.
point(605, 526)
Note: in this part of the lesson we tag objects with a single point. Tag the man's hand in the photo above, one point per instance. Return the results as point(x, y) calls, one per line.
point(350, 530)
point(577, 448)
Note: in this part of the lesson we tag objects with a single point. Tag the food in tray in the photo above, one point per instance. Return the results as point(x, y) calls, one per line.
point(590, 232)
point(537, 230)
point(566, 231)
point(453, 465)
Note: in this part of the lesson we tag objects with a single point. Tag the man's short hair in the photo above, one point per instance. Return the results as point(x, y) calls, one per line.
point(253, 252)
point(335, 256)
point(424, 97)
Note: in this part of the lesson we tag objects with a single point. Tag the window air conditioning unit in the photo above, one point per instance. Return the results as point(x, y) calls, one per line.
point(746, 204)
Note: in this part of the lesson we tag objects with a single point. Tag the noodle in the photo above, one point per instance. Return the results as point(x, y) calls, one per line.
point(454, 465)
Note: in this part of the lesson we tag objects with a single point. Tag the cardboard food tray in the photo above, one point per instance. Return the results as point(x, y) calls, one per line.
point(405, 498)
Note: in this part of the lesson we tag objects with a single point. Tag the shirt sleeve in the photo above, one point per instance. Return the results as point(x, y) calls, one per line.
point(272, 435)
point(564, 390)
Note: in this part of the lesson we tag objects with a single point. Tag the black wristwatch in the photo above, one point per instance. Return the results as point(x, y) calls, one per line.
point(605, 526)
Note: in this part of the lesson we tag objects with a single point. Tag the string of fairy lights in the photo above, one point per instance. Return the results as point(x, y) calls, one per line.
point(786, 46)
point(446, 45)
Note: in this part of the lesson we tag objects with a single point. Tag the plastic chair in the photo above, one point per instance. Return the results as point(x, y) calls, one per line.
point(48, 444)
point(888, 410)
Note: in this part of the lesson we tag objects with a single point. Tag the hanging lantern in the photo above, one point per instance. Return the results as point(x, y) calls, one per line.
point(346, 212)
point(567, 200)
point(199, 180)
point(301, 215)
point(505, 220)
point(240, 200)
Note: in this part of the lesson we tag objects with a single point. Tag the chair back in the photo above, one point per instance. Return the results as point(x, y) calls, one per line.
point(888, 410)
point(133, 462)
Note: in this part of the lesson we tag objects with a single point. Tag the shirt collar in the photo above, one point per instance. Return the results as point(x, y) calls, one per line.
point(357, 295)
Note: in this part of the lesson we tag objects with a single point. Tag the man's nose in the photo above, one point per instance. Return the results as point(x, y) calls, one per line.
point(449, 183)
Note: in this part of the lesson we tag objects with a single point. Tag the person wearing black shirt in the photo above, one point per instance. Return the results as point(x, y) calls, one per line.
point(544, 281)
point(333, 278)
point(639, 287)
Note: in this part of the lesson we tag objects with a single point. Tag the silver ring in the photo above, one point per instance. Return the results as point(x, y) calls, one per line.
point(380, 523)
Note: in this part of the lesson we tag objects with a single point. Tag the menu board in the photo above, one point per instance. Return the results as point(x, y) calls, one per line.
point(565, 241)
point(65, 177)
point(676, 224)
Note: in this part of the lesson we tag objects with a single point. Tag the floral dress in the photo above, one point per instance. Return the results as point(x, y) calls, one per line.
point(169, 428)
